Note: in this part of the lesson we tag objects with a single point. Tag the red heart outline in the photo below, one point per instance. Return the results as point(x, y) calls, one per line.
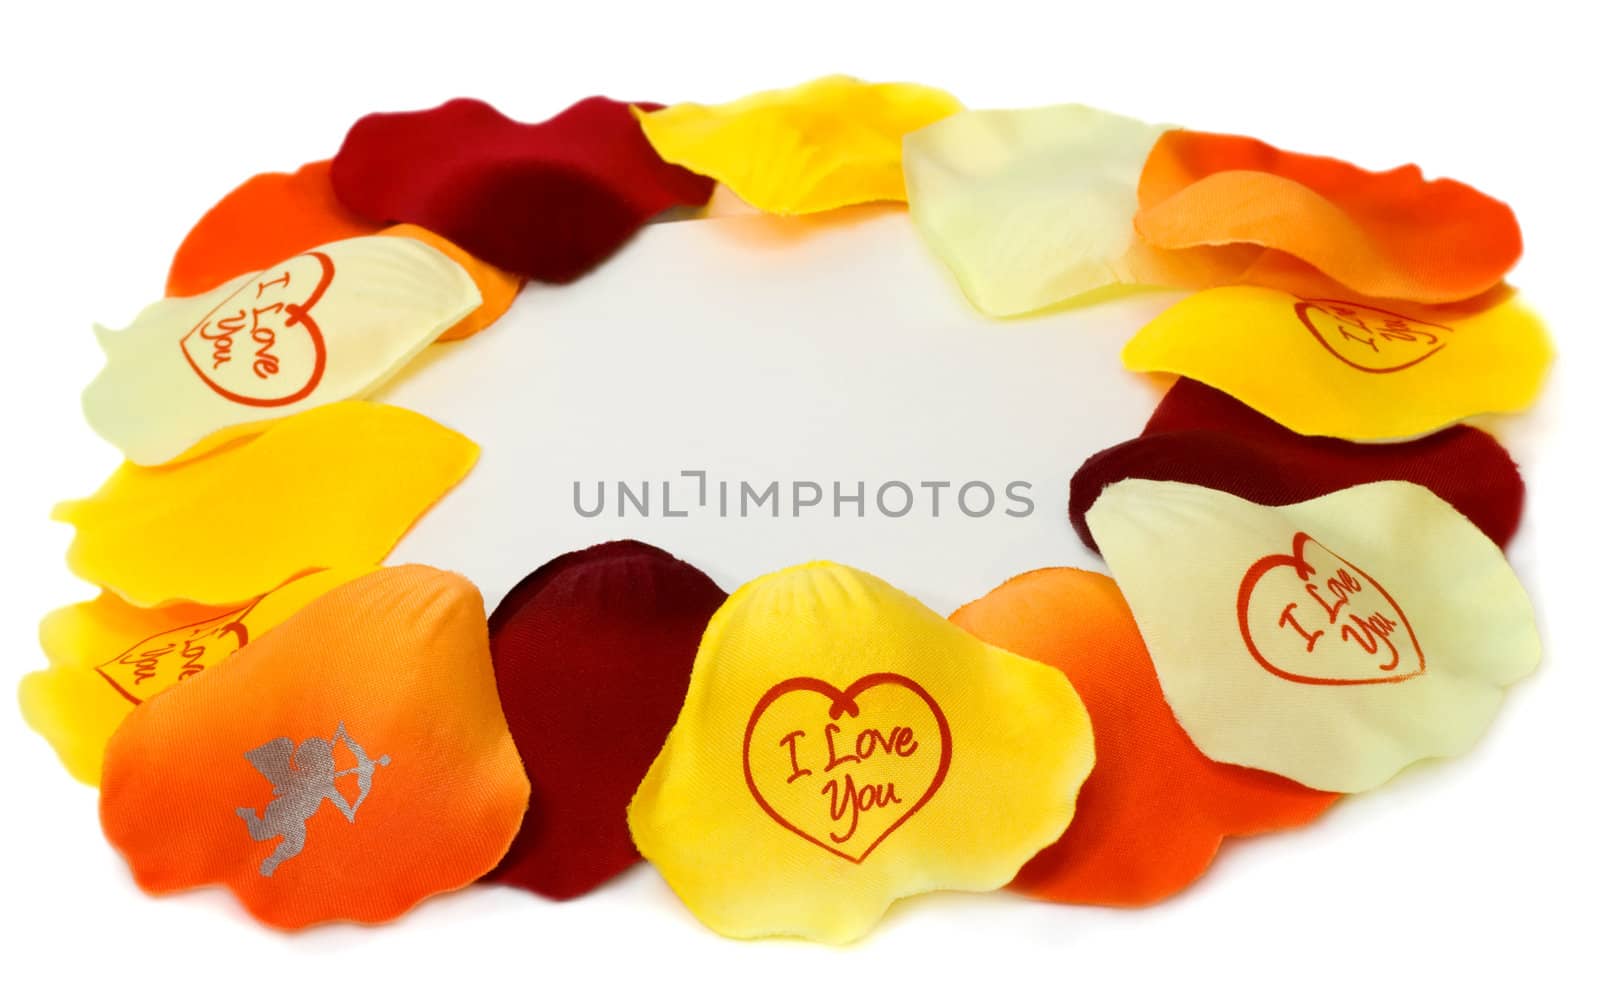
point(1306, 305)
point(298, 315)
point(843, 702)
point(1296, 560)
point(235, 625)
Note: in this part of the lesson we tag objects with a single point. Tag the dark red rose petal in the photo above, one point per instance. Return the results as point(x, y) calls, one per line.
point(592, 653)
point(549, 200)
point(1199, 435)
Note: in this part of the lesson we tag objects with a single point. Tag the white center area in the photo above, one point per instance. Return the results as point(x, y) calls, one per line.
point(757, 350)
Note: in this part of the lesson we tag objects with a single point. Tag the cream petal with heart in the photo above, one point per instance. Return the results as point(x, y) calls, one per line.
point(842, 746)
point(1334, 641)
point(323, 326)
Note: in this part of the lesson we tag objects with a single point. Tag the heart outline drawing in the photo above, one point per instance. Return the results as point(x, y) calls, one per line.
point(843, 702)
point(297, 314)
point(1305, 307)
point(1297, 562)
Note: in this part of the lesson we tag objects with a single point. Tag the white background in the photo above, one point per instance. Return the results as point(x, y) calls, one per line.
point(124, 124)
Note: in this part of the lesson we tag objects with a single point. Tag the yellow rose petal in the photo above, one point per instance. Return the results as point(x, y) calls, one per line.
point(332, 488)
point(828, 143)
point(842, 746)
point(108, 656)
point(1330, 367)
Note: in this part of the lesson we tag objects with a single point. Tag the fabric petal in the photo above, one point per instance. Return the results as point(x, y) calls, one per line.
point(323, 326)
point(548, 201)
point(108, 656)
point(1386, 234)
point(332, 488)
point(345, 766)
point(1151, 817)
point(595, 644)
point(1334, 641)
point(841, 747)
point(269, 217)
point(1331, 367)
point(1031, 208)
point(1199, 435)
point(828, 143)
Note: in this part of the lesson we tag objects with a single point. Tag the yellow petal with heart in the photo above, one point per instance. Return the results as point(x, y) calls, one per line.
point(331, 488)
point(1334, 641)
point(831, 142)
point(1347, 368)
point(108, 656)
point(842, 746)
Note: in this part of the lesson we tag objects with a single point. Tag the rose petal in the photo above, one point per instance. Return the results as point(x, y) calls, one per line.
point(323, 326)
point(952, 762)
point(1383, 234)
point(549, 201)
point(828, 143)
point(1201, 436)
point(1331, 367)
point(332, 488)
point(592, 653)
point(108, 656)
point(1030, 208)
point(1334, 641)
point(1153, 814)
point(343, 767)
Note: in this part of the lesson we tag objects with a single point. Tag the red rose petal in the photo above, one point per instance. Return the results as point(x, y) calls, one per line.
point(549, 200)
point(592, 653)
point(1199, 435)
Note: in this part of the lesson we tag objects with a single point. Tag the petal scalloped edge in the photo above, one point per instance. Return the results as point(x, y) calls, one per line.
point(1151, 817)
point(108, 656)
point(594, 644)
point(842, 746)
point(1330, 367)
point(547, 201)
point(1199, 435)
point(497, 289)
point(378, 699)
point(1031, 208)
point(1383, 234)
point(825, 144)
point(332, 488)
point(327, 325)
point(1333, 641)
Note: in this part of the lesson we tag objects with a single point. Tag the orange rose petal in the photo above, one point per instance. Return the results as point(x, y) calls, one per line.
point(346, 765)
point(1384, 234)
point(1152, 815)
point(278, 214)
point(270, 217)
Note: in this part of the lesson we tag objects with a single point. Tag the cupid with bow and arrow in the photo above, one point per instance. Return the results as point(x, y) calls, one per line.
point(301, 779)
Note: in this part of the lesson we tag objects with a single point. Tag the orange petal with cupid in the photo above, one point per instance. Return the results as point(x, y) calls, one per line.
point(1151, 817)
point(345, 766)
point(1386, 234)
